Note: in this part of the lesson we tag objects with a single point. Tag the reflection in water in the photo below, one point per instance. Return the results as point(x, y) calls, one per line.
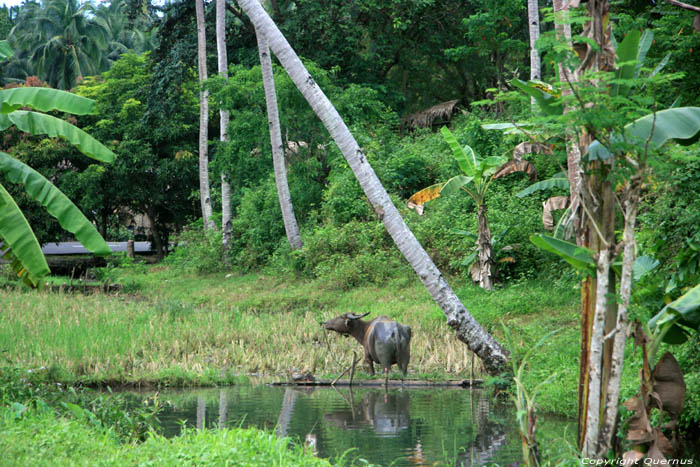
point(408, 427)
point(386, 412)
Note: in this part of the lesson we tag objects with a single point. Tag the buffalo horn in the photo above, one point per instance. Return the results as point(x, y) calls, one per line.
point(354, 316)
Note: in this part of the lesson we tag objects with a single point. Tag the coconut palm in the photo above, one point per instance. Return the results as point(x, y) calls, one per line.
point(533, 20)
point(290, 221)
point(61, 40)
point(203, 118)
point(123, 34)
point(226, 209)
point(467, 328)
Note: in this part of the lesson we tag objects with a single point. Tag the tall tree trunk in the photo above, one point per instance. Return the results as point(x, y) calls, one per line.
point(596, 229)
point(533, 20)
point(226, 215)
point(290, 222)
point(577, 219)
point(485, 249)
point(607, 425)
point(467, 328)
point(204, 194)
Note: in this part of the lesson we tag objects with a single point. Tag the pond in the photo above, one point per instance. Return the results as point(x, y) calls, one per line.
point(398, 427)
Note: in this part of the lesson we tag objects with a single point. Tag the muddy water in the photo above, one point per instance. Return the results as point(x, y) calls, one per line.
point(398, 426)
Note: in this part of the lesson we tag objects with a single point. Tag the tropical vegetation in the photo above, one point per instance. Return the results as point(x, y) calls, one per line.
point(325, 127)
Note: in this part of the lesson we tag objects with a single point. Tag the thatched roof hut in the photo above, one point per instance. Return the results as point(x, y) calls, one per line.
point(439, 113)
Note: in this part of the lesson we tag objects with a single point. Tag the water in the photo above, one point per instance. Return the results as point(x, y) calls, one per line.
point(399, 426)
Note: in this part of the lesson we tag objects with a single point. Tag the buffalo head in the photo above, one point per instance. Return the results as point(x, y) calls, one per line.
point(343, 324)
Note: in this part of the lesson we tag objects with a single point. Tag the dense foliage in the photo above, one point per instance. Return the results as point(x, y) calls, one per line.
point(378, 61)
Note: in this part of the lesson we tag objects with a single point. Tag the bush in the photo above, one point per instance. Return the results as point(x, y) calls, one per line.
point(197, 250)
point(348, 255)
point(257, 227)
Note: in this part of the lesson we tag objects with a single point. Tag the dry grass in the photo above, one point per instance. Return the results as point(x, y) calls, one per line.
point(193, 330)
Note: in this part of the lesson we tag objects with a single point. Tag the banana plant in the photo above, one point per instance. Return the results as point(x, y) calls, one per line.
point(475, 179)
point(18, 244)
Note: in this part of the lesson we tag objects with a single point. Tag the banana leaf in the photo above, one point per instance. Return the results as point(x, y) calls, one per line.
point(683, 312)
point(44, 100)
point(5, 50)
point(56, 203)
point(579, 257)
point(681, 124)
point(627, 59)
point(465, 157)
point(545, 98)
point(24, 252)
point(41, 124)
point(558, 181)
point(454, 184)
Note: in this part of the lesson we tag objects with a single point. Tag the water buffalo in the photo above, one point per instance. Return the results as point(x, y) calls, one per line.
point(385, 341)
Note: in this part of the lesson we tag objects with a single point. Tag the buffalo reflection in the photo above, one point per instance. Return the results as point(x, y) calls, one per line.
point(386, 412)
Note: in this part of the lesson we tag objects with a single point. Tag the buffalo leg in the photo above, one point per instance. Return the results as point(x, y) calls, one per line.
point(370, 364)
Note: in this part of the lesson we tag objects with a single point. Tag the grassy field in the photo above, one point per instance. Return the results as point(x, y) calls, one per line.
point(172, 329)
point(40, 438)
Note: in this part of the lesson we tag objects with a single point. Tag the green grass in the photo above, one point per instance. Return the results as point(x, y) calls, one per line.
point(40, 438)
point(178, 330)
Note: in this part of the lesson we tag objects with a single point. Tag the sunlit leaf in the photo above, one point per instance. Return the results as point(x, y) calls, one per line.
point(684, 311)
point(426, 194)
point(627, 60)
point(546, 99)
point(681, 124)
point(454, 184)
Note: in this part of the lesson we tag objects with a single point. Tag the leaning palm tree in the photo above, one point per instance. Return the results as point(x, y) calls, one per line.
point(467, 328)
point(61, 40)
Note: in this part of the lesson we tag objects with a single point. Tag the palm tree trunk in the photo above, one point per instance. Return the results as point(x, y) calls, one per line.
point(223, 126)
point(533, 15)
point(485, 249)
point(290, 222)
point(467, 328)
point(204, 194)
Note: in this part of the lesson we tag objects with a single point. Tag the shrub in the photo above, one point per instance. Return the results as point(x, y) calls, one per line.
point(348, 255)
point(197, 250)
point(257, 227)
